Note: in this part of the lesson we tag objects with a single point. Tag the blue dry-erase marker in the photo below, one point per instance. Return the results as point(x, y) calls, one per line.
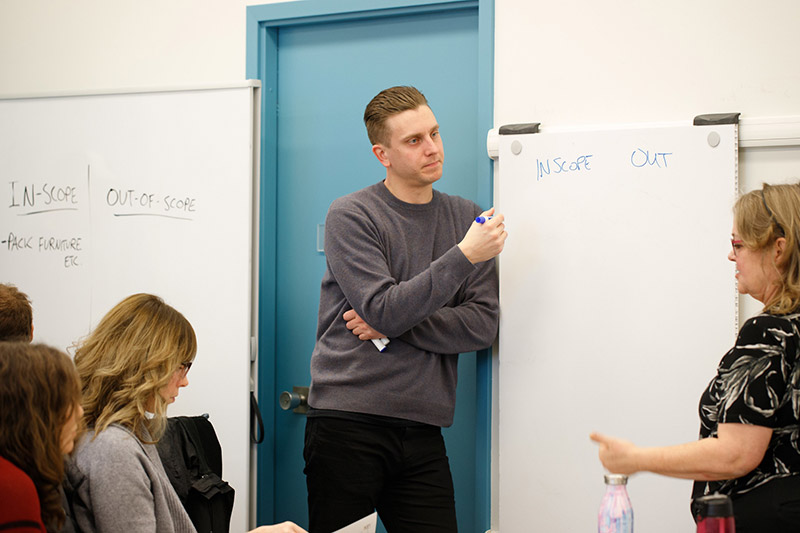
point(481, 220)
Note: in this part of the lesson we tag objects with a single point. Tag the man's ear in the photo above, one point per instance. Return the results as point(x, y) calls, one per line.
point(380, 152)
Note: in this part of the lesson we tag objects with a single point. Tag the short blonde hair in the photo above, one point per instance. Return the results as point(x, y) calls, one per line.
point(129, 357)
point(387, 103)
point(763, 216)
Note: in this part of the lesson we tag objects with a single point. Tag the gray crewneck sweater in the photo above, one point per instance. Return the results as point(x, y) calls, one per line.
point(397, 265)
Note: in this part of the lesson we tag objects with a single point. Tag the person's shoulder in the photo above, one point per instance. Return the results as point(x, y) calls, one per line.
point(112, 444)
point(361, 197)
point(18, 497)
point(114, 435)
point(115, 451)
point(457, 202)
point(360, 206)
point(14, 479)
point(765, 326)
point(767, 320)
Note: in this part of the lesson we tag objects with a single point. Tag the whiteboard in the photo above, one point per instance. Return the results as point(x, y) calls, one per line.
point(106, 195)
point(617, 301)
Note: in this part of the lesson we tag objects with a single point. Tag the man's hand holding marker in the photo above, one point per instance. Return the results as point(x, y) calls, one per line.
point(485, 238)
point(364, 331)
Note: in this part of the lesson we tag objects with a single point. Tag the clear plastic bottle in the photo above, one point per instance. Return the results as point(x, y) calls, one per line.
point(616, 512)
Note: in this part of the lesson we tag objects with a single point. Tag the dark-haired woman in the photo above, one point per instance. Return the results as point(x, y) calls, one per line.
point(39, 422)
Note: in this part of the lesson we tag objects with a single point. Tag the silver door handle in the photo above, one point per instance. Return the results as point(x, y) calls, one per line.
point(297, 400)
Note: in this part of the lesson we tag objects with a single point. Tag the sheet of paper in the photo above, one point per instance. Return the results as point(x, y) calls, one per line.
point(365, 525)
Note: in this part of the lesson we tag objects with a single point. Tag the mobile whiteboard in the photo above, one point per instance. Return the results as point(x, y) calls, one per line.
point(617, 301)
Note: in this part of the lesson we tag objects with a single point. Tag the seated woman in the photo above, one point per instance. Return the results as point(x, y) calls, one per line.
point(132, 366)
point(39, 422)
point(749, 447)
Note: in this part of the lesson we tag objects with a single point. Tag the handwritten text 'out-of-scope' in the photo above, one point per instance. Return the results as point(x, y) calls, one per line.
point(131, 198)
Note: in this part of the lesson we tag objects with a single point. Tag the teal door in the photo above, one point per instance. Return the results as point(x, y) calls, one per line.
point(327, 72)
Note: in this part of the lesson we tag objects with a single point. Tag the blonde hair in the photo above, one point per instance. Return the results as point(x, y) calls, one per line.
point(387, 103)
point(763, 216)
point(39, 389)
point(129, 357)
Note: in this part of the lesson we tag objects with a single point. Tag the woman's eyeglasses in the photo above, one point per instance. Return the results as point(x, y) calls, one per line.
point(184, 368)
point(736, 245)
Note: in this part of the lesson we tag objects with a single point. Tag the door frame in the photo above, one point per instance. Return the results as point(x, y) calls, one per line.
point(263, 25)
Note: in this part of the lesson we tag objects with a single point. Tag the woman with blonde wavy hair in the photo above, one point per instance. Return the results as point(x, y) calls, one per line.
point(39, 422)
point(132, 367)
point(749, 446)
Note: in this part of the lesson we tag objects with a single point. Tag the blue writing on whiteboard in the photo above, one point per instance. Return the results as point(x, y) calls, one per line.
point(641, 158)
point(559, 165)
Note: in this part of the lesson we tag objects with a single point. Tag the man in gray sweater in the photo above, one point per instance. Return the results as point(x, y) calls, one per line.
point(408, 263)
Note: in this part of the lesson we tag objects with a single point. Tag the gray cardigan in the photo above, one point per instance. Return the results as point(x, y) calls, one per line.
point(120, 485)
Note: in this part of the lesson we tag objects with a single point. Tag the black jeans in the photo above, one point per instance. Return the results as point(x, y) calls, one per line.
point(353, 468)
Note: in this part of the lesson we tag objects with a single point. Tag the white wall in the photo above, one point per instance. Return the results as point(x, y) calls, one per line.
point(579, 62)
point(564, 63)
point(571, 62)
point(76, 45)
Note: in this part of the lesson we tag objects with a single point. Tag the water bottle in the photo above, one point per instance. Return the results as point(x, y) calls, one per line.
point(616, 513)
point(713, 514)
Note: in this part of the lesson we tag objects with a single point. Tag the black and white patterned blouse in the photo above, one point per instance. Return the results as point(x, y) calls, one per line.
point(758, 382)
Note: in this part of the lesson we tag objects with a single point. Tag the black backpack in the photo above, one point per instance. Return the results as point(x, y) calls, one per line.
point(192, 457)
